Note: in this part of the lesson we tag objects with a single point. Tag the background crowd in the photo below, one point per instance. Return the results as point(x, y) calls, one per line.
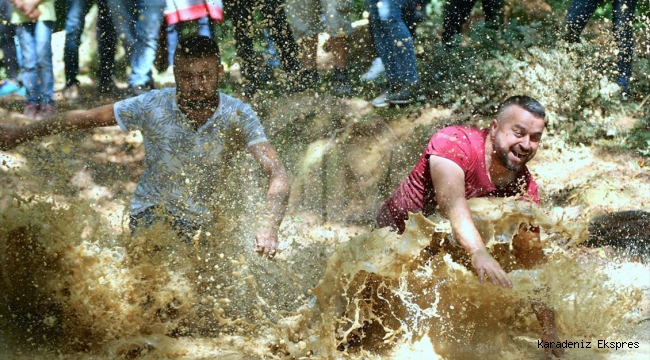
point(148, 28)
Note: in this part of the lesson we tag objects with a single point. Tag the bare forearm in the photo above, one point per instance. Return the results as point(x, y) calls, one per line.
point(278, 192)
point(464, 229)
point(277, 198)
point(67, 122)
point(449, 182)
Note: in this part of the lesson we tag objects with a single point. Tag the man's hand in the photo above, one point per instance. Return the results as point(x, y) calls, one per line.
point(266, 243)
point(551, 336)
point(266, 240)
point(29, 8)
point(487, 267)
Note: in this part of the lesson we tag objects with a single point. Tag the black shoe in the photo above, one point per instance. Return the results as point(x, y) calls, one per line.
point(399, 95)
point(403, 95)
point(341, 83)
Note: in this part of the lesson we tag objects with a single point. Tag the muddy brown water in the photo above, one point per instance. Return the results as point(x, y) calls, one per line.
point(76, 285)
point(72, 288)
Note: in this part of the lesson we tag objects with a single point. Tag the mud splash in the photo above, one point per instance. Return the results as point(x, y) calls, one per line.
point(382, 290)
point(74, 288)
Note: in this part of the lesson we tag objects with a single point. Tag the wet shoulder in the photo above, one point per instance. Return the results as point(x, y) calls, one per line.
point(230, 104)
point(461, 131)
point(154, 101)
point(234, 111)
point(461, 135)
point(163, 97)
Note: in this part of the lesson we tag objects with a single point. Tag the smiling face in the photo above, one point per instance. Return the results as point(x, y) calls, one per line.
point(515, 134)
point(197, 80)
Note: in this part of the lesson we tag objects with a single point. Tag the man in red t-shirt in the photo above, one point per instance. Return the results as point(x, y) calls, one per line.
point(463, 162)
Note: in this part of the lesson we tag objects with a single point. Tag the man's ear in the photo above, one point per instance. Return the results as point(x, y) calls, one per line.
point(494, 125)
point(220, 72)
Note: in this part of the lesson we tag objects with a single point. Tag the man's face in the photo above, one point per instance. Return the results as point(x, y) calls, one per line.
point(197, 80)
point(516, 134)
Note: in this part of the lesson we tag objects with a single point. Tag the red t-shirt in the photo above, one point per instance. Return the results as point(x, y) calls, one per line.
point(466, 147)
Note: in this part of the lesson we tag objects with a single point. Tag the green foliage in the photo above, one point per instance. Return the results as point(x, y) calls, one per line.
point(573, 81)
point(640, 139)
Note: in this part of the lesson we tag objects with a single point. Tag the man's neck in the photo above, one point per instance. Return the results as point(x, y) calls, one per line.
point(198, 112)
point(497, 173)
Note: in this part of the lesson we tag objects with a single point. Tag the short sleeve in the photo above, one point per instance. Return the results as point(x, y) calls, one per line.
point(253, 130)
point(453, 144)
point(129, 113)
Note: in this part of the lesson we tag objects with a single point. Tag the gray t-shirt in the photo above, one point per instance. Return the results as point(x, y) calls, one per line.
point(181, 164)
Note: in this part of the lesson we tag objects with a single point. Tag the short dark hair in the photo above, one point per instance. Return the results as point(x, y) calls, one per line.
point(526, 102)
point(197, 47)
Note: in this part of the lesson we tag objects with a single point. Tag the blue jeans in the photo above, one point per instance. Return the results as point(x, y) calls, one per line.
point(206, 28)
point(393, 42)
point(36, 46)
point(106, 40)
point(622, 15)
point(137, 23)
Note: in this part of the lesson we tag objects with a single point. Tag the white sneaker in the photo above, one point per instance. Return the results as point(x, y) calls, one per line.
point(376, 69)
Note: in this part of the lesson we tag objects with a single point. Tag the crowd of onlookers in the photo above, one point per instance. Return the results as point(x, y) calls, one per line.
point(291, 27)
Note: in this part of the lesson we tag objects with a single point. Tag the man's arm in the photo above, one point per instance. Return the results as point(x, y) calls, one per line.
point(266, 239)
point(12, 136)
point(449, 183)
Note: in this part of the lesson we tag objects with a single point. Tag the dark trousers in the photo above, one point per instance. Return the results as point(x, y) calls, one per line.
point(274, 18)
point(457, 12)
point(7, 40)
point(622, 15)
point(413, 13)
point(106, 41)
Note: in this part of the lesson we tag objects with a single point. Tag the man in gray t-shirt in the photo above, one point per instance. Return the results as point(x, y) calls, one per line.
point(184, 131)
point(181, 162)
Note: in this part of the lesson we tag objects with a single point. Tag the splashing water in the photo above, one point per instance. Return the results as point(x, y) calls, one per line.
point(72, 285)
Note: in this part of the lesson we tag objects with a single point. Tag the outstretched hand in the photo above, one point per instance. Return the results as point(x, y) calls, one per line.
point(487, 267)
point(266, 243)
